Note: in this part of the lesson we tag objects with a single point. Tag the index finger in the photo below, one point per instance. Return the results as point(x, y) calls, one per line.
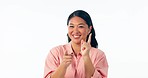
point(66, 53)
point(89, 38)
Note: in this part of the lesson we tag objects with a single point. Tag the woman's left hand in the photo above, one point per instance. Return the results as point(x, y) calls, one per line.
point(85, 46)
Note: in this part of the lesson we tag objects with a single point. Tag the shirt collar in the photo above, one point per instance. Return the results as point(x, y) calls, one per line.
point(70, 48)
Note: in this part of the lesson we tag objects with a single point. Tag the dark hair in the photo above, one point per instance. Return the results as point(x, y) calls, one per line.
point(86, 17)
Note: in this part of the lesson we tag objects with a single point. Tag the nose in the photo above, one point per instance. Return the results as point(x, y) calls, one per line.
point(76, 30)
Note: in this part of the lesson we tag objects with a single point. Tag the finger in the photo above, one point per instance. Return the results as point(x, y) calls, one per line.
point(69, 60)
point(68, 57)
point(89, 38)
point(66, 53)
point(82, 42)
point(83, 48)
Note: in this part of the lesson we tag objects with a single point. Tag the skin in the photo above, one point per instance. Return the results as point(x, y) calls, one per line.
point(77, 31)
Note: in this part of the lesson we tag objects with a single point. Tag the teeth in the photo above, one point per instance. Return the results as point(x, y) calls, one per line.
point(75, 36)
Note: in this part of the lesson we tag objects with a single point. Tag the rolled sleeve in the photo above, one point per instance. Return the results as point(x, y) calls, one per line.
point(51, 63)
point(96, 74)
point(101, 67)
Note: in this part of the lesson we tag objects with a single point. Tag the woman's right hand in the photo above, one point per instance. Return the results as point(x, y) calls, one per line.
point(61, 70)
point(67, 59)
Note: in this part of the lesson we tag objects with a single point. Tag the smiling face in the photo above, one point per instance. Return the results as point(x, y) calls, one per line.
point(78, 29)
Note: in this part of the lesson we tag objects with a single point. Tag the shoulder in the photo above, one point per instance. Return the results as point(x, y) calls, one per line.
point(96, 52)
point(58, 49)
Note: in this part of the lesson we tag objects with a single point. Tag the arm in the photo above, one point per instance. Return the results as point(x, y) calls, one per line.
point(85, 49)
point(89, 68)
point(61, 70)
point(97, 69)
point(53, 67)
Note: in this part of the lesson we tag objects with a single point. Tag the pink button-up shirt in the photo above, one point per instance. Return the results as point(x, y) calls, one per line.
point(76, 69)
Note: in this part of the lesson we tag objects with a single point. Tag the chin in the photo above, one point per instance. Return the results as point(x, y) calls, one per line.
point(76, 41)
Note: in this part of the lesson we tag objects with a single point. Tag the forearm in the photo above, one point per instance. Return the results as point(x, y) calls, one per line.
point(89, 68)
point(59, 73)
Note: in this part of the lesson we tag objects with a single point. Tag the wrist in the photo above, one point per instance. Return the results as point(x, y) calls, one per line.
point(63, 66)
point(86, 57)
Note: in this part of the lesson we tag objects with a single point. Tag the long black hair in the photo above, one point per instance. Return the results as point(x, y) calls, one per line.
point(86, 17)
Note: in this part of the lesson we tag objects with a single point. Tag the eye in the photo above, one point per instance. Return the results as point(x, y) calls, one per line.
point(81, 26)
point(71, 26)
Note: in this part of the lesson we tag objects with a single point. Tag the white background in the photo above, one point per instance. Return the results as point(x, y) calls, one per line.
point(30, 28)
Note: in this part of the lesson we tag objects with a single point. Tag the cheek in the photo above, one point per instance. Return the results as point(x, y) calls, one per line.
point(84, 32)
point(69, 31)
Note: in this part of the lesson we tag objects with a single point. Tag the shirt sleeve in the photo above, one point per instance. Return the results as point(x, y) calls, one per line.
point(51, 63)
point(101, 67)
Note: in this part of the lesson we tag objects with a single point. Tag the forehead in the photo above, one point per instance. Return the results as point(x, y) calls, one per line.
point(76, 20)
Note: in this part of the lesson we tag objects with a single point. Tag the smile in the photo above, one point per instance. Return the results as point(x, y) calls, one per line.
point(76, 36)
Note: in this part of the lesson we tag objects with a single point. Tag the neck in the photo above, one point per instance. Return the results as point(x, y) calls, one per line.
point(76, 48)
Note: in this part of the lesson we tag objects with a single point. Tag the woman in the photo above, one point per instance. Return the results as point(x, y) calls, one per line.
point(79, 58)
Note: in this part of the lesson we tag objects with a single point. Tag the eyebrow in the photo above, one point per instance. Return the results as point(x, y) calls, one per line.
point(71, 24)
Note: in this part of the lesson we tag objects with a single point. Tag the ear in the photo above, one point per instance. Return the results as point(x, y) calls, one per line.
point(90, 28)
